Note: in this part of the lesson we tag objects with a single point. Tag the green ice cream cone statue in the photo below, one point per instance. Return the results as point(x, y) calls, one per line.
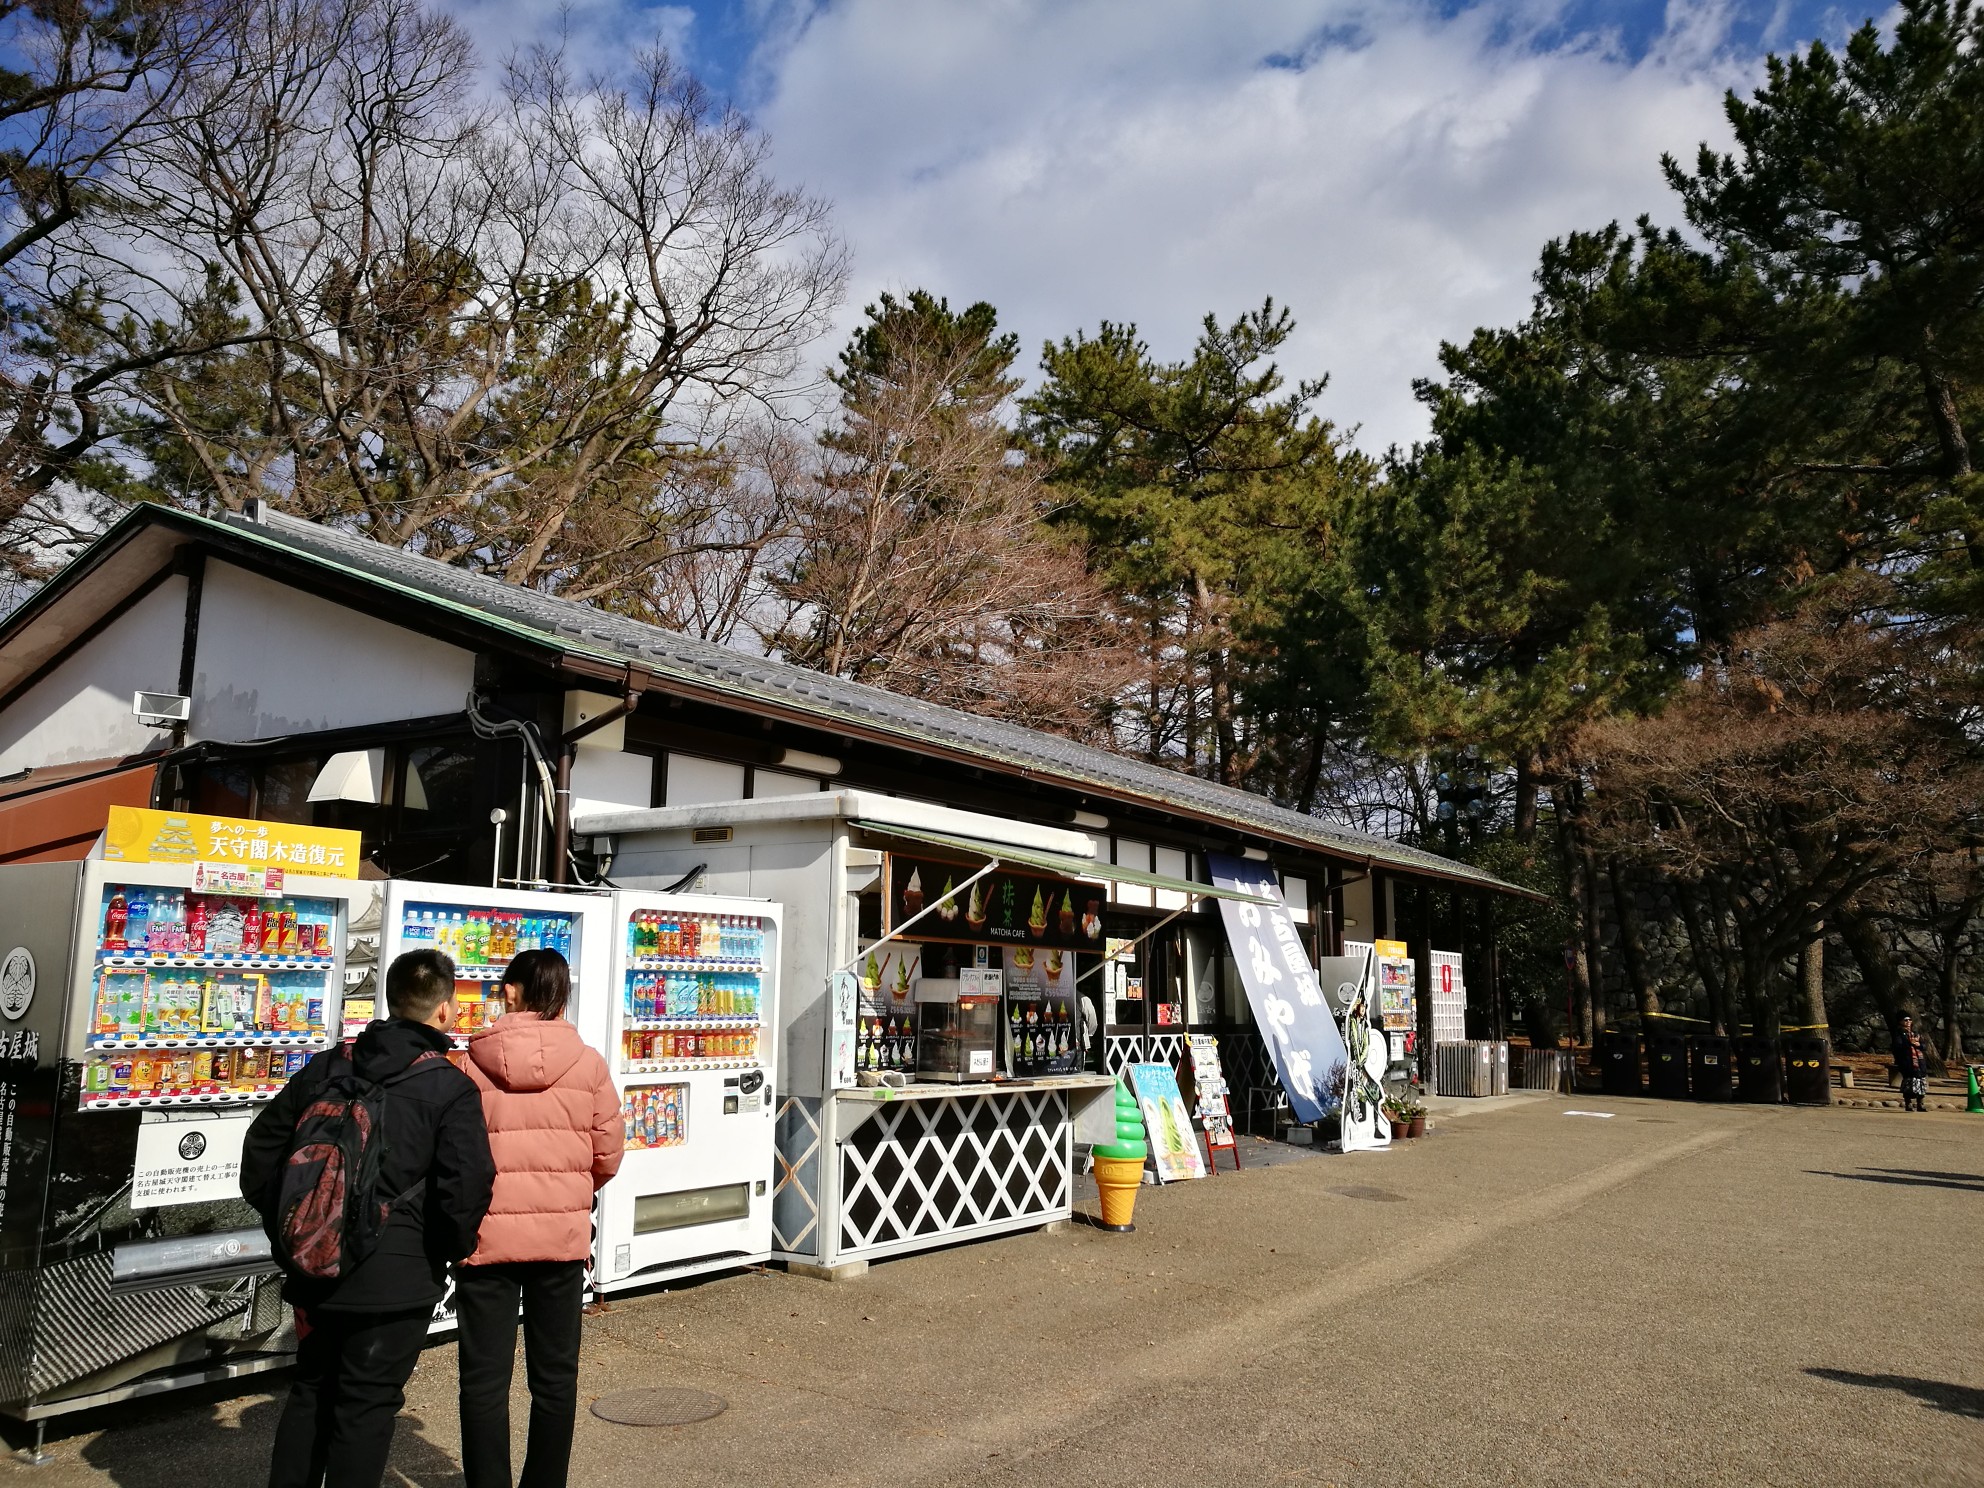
point(1119, 1165)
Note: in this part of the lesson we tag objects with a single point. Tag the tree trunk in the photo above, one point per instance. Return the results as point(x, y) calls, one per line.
point(1757, 997)
point(1947, 996)
point(1877, 971)
point(1708, 962)
point(1812, 983)
point(1525, 810)
point(1578, 951)
point(1594, 939)
point(1631, 947)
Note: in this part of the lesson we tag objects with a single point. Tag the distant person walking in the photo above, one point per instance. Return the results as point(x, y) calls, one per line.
point(557, 1135)
point(1912, 1065)
point(364, 1291)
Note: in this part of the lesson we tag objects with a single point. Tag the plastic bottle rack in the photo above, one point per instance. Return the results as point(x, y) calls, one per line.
point(203, 998)
point(693, 995)
point(482, 941)
point(659, 938)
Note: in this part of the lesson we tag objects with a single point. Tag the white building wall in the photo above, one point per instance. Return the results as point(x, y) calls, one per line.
point(277, 660)
point(82, 709)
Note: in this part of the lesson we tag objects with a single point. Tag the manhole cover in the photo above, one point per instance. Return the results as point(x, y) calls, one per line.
point(1376, 1195)
point(658, 1407)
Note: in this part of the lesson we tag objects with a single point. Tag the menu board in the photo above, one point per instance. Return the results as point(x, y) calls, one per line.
point(1209, 1084)
point(1023, 909)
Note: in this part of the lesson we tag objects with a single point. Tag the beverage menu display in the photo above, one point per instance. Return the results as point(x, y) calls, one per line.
point(206, 997)
point(693, 995)
point(656, 1116)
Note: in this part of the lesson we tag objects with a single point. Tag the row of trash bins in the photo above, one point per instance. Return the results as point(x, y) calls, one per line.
point(1708, 1067)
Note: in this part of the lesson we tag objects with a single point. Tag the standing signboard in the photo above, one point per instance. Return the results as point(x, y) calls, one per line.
point(1288, 1005)
point(1209, 1087)
point(1167, 1122)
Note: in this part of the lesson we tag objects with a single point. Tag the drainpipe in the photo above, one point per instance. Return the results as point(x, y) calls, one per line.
point(561, 820)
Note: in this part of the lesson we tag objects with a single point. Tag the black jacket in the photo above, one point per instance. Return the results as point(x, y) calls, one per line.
point(433, 1129)
point(1909, 1060)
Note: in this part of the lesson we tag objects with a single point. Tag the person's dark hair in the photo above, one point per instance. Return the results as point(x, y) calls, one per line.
point(417, 983)
point(543, 982)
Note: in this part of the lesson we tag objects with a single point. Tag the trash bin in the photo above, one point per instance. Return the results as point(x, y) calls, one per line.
point(1807, 1070)
point(1759, 1071)
point(1667, 1065)
point(1710, 1071)
point(1619, 1062)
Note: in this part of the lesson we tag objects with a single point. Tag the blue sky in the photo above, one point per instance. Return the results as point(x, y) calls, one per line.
point(1389, 169)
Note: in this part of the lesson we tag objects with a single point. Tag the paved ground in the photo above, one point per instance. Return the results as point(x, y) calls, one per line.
point(1674, 1295)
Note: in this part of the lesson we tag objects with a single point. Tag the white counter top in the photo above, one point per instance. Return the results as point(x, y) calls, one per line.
point(938, 1090)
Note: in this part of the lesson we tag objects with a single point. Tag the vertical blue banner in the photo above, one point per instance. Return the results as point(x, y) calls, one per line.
point(1289, 1008)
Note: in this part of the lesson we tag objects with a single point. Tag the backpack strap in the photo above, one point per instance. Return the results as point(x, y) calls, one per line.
point(422, 1063)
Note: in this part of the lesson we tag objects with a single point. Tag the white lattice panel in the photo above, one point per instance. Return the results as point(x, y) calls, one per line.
point(1121, 1050)
point(796, 1195)
point(924, 1171)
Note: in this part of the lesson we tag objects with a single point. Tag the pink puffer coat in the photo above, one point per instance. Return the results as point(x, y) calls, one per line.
point(555, 1132)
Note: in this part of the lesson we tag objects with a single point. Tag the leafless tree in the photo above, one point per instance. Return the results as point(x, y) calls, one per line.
point(1827, 758)
point(491, 327)
point(920, 561)
point(84, 85)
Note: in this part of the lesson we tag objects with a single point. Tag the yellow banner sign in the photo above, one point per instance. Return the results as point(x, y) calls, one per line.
point(135, 835)
point(1392, 948)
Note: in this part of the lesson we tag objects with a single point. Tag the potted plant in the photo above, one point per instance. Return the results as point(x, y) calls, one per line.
point(1396, 1107)
point(1330, 1127)
point(1415, 1117)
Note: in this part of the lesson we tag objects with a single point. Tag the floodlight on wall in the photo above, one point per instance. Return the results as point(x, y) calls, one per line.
point(1254, 854)
point(1093, 820)
point(161, 709)
point(800, 761)
point(356, 775)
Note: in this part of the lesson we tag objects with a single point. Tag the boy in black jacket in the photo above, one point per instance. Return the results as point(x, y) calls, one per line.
point(359, 1336)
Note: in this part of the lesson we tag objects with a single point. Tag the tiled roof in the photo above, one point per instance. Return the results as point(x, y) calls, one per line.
point(832, 701)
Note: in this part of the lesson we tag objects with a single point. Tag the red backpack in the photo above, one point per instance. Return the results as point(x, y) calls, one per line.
point(328, 1213)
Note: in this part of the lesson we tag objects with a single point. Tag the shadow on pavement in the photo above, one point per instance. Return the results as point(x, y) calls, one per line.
point(211, 1450)
point(1956, 1400)
point(1910, 1178)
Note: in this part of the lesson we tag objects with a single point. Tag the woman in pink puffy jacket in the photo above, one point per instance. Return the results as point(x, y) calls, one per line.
point(556, 1134)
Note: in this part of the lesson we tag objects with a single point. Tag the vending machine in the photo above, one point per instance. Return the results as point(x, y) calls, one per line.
point(481, 930)
point(689, 1040)
point(151, 999)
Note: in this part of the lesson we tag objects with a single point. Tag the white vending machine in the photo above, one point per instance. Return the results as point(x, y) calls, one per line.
point(689, 1040)
point(481, 930)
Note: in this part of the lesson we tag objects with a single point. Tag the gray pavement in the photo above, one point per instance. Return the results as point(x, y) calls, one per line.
point(1672, 1294)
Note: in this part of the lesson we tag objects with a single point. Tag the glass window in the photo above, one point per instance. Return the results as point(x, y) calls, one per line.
point(286, 790)
point(223, 789)
point(439, 792)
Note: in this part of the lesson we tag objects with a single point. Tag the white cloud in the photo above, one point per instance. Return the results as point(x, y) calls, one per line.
point(1075, 160)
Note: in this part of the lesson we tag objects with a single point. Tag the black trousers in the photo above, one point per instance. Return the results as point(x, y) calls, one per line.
point(350, 1382)
point(552, 1294)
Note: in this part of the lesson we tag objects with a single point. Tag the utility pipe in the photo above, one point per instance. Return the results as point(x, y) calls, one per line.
point(561, 820)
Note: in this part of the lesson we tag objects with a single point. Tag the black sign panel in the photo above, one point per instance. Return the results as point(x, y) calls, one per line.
point(1001, 908)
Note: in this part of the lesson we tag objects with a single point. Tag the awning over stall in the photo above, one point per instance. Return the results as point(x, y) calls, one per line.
point(1084, 869)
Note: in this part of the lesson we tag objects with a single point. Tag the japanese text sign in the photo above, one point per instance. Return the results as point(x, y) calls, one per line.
point(1288, 1004)
point(136, 835)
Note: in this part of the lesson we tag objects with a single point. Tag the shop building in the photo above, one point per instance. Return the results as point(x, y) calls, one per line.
point(474, 733)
